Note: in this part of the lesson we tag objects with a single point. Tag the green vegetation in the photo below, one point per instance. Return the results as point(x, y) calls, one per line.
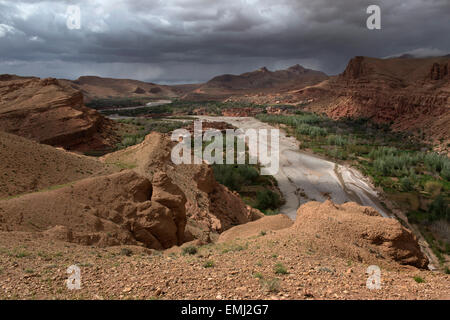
point(177, 106)
point(256, 190)
point(280, 269)
point(234, 248)
point(270, 285)
point(22, 254)
point(208, 264)
point(143, 127)
point(236, 177)
point(419, 279)
point(109, 103)
point(267, 200)
point(191, 250)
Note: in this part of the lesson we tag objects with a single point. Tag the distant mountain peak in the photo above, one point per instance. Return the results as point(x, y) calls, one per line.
point(297, 67)
point(263, 69)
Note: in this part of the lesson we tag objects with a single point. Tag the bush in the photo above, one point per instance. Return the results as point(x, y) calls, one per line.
point(190, 250)
point(234, 177)
point(337, 140)
point(445, 172)
point(270, 285)
point(406, 184)
point(435, 162)
point(313, 131)
point(280, 269)
point(208, 264)
point(267, 199)
point(433, 187)
point(439, 209)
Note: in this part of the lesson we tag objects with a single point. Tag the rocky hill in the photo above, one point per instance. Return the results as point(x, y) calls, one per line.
point(97, 87)
point(28, 166)
point(409, 94)
point(51, 112)
point(259, 81)
point(325, 254)
point(154, 230)
point(211, 208)
point(84, 200)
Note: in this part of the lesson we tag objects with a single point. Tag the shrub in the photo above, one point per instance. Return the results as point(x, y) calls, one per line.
point(267, 199)
point(270, 285)
point(126, 252)
point(337, 140)
point(406, 184)
point(208, 264)
point(433, 187)
point(235, 177)
point(439, 209)
point(280, 269)
point(313, 131)
point(419, 279)
point(191, 250)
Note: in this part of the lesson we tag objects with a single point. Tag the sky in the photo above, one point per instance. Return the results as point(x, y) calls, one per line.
point(190, 41)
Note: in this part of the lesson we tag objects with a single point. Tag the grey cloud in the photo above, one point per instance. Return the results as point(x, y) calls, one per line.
point(192, 40)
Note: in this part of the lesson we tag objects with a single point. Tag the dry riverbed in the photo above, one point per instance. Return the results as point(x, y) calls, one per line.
point(303, 177)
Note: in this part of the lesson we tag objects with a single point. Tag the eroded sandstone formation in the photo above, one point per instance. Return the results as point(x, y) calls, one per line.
point(50, 111)
point(409, 94)
point(357, 232)
point(122, 208)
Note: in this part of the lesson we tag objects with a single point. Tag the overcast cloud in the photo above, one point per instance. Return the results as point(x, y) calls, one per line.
point(180, 41)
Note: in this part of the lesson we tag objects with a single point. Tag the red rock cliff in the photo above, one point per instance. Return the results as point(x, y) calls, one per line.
point(51, 112)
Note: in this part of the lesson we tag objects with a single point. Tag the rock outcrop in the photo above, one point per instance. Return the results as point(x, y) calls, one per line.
point(263, 79)
point(259, 81)
point(348, 231)
point(170, 195)
point(28, 166)
point(358, 233)
point(50, 111)
point(210, 207)
point(104, 88)
point(122, 208)
point(407, 93)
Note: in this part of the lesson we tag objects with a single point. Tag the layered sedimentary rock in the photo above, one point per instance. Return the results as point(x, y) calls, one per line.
point(409, 94)
point(97, 87)
point(122, 208)
point(210, 207)
point(357, 232)
point(49, 111)
point(27, 166)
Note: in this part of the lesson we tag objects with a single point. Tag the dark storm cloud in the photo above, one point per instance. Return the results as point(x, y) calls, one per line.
point(193, 40)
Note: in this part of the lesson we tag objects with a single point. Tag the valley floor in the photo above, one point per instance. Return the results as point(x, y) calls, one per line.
point(304, 177)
